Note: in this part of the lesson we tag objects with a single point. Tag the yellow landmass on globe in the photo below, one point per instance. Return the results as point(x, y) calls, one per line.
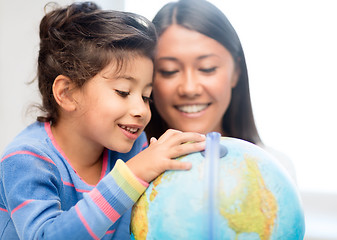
point(139, 217)
point(154, 191)
point(158, 180)
point(250, 207)
point(139, 226)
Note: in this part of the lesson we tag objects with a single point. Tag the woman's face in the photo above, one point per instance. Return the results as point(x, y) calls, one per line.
point(194, 77)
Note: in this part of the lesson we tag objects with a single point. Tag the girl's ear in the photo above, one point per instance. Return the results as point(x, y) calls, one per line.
point(62, 90)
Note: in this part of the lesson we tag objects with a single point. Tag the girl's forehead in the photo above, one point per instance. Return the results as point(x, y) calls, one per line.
point(135, 69)
point(121, 64)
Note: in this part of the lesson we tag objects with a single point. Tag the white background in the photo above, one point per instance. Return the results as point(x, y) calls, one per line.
point(291, 49)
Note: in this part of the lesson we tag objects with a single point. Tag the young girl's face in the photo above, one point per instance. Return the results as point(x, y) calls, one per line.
point(194, 77)
point(113, 109)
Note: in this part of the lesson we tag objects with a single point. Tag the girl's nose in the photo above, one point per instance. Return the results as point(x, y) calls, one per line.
point(139, 108)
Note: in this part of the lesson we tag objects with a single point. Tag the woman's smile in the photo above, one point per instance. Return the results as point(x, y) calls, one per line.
point(192, 108)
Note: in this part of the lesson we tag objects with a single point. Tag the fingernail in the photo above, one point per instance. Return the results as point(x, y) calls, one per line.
point(188, 165)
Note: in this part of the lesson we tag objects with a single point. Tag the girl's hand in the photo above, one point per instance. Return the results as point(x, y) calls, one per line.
point(160, 155)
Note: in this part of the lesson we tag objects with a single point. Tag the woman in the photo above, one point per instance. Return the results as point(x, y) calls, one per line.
point(201, 80)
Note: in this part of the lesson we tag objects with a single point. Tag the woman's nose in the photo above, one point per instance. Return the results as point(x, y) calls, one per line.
point(189, 86)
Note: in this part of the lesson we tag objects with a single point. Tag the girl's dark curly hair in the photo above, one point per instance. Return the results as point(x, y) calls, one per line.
point(80, 40)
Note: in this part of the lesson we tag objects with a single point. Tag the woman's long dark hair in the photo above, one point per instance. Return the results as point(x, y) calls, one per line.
point(205, 18)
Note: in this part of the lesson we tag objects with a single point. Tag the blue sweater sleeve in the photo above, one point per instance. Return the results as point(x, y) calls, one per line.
point(30, 186)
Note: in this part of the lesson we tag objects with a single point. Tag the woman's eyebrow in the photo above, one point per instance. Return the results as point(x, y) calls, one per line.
point(167, 58)
point(198, 58)
point(207, 56)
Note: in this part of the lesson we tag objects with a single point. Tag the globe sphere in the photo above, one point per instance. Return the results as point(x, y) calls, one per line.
point(235, 190)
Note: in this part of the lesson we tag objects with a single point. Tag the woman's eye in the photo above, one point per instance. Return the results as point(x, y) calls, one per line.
point(208, 70)
point(167, 73)
point(122, 93)
point(147, 99)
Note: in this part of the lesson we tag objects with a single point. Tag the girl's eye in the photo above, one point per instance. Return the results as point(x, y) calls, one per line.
point(165, 73)
point(208, 70)
point(147, 99)
point(122, 93)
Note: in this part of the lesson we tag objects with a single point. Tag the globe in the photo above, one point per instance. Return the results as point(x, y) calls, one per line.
point(235, 190)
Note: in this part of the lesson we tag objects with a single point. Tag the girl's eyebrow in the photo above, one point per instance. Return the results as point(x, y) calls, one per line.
point(132, 79)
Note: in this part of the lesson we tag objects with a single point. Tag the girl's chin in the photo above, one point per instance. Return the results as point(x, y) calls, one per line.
point(123, 149)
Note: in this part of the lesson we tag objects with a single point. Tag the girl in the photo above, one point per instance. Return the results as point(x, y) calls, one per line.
point(65, 176)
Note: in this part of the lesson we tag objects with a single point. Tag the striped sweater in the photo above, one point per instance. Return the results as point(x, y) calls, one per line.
point(42, 196)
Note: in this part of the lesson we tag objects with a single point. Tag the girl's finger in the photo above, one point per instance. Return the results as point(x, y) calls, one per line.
point(153, 139)
point(178, 165)
point(174, 137)
point(187, 148)
point(168, 135)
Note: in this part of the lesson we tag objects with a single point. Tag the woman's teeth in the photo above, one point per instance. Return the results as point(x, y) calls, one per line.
point(129, 129)
point(192, 108)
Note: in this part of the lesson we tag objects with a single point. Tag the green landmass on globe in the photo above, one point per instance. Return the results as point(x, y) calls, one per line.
point(249, 197)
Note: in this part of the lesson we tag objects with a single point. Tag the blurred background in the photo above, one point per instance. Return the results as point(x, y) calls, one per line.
point(291, 53)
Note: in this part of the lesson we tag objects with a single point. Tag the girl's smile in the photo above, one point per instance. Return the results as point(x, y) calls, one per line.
point(131, 131)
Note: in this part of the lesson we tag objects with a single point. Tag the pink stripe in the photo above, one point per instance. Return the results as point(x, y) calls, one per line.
point(68, 184)
point(51, 136)
point(3, 209)
point(145, 144)
point(145, 184)
point(21, 206)
point(110, 231)
point(81, 190)
point(106, 208)
point(72, 185)
point(28, 153)
point(85, 223)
